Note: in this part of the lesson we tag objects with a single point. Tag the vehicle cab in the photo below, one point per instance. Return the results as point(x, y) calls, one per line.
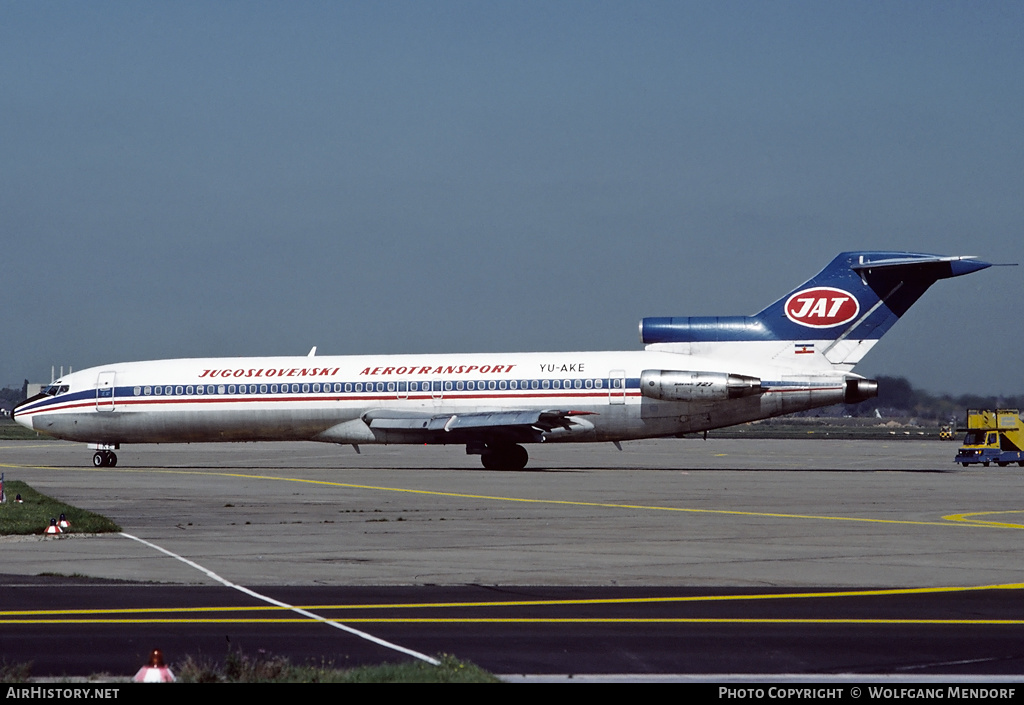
point(992, 437)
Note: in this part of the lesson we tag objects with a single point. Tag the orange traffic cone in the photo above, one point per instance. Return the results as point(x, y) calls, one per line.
point(155, 671)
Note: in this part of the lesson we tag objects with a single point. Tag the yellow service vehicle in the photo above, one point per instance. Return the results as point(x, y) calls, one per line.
point(947, 432)
point(992, 437)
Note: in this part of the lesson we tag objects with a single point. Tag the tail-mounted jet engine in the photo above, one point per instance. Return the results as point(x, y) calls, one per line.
point(858, 390)
point(682, 385)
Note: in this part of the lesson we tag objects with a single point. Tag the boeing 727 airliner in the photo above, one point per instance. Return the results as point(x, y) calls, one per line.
point(693, 375)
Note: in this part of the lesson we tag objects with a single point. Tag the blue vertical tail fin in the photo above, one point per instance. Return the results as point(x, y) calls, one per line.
point(860, 295)
point(840, 312)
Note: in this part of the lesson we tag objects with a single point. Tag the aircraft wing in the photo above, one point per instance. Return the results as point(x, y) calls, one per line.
point(513, 425)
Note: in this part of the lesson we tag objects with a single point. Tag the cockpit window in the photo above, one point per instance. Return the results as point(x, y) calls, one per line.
point(55, 389)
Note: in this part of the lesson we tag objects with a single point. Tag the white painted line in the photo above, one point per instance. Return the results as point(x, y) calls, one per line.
point(304, 613)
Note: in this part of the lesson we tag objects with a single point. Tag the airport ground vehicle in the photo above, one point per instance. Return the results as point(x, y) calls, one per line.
point(993, 436)
point(947, 432)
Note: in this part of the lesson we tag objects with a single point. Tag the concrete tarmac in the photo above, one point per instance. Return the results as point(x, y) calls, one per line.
point(742, 513)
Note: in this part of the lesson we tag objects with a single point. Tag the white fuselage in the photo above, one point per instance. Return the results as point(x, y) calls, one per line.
point(327, 398)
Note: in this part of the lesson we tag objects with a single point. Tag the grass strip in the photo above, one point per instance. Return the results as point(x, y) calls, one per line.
point(33, 514)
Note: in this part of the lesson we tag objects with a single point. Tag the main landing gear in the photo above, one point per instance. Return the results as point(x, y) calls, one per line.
point(504, 457)
point(104, 459)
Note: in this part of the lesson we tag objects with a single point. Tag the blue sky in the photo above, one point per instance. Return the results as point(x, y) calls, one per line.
point(191, 178)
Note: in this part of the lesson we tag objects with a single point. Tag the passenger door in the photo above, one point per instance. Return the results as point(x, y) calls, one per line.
point(105, 391)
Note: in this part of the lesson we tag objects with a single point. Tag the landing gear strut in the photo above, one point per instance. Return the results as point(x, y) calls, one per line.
point(505, 457)
point(104, 459)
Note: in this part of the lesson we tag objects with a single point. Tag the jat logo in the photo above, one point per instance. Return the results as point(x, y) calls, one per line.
point(822, 307)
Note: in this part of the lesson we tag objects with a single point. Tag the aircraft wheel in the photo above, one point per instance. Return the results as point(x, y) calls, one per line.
point(513, 457)
point(986, 463)
point(517, 457)
point(104, 459)
point(1002, 464)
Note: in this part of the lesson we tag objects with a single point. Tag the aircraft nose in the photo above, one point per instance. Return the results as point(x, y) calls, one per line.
point(26, 422)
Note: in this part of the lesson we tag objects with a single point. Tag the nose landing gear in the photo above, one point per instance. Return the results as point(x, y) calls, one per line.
point(104, 456)
point(104, 459)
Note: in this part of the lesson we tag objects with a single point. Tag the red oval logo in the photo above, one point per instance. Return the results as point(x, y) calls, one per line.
point(822, 307)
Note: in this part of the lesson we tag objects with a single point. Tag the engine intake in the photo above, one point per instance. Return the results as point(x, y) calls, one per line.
point(684, 385)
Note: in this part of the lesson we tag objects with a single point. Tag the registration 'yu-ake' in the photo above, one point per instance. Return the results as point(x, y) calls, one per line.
point(694, 374)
